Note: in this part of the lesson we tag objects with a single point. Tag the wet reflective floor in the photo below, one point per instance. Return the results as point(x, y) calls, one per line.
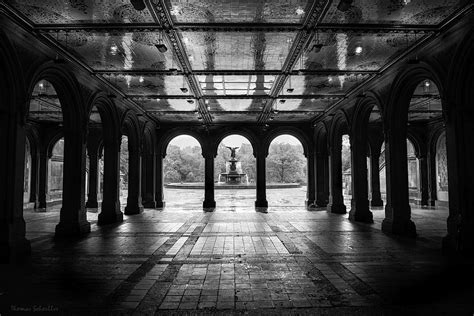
point(237, 260)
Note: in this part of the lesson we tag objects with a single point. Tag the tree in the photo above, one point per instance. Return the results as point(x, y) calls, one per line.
point(183, 165)
point(286, 163)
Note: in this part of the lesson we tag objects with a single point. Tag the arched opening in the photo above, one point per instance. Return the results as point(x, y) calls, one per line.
point(27, 178)
point(94, 162)
point(55, 176)
point(441, 167)
point(346, 169)
point(286, 173)
point(183, 173)
point(124, 168)
point(413, 172)
point(235, 172)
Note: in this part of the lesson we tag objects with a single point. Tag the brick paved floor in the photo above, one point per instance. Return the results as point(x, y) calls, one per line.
point(235, 259)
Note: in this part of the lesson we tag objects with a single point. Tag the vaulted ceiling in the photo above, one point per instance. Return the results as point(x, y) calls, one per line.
point(237, 60)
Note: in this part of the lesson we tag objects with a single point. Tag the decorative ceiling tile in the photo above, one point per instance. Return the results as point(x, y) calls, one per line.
point(163, 105)
point(303, 104)
point(81, 11)
point(151, 85)
point(236, 85)
point(234, 11)
point(118, 50)
point(393, 12)
point(316, 84)
point(237, 51)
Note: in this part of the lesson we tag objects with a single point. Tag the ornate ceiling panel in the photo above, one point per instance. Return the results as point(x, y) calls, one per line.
point(232, 11)
point(176, 117)
point(352, 51)
point(292, 116)
point(255, 104)
point(394, 12)
point(236, 85)
point(81, 11)
point(163, 105)
point(118, 51)
point(227, 117)
point(237, 50)
point(303, 104)
point(151, 85)
point(318, 84)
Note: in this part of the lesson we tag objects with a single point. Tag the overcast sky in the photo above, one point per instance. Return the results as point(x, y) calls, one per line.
point(231, 141)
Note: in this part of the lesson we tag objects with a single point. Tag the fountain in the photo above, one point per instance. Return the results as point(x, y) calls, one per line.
point(233, 174)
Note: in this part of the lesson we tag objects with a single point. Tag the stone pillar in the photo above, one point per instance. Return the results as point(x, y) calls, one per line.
point(134, 200)
point(159, 196)
point(336, 199)
point(376, 200)
point(322, 179)
point(14, 247)
point(73, 214)
point(423, 163)
point(432, 186)
point(93, 180)
point(148, 174)
point(209, 201)
point(110, 210)
point(311, 188)
point(43, 179)
point(360, 187)
point(397, 210)
point(261, 181)
point(34, 183)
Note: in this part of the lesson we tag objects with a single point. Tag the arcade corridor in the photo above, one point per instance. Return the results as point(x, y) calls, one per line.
point(355, 157)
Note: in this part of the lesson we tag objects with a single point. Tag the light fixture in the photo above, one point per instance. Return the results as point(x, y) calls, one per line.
point(317, 46)
point(282, 101)
point(427, 83)
point(157, 100)
point(290, 89)
point(358, 50)
point(344, 5)
point(161, 46)
point(271, 118)
point(299, 11)
point(190, 101)
point(41, 85)
point(138, 5)
point(184, 89)
point(330, 79)
point(141, 79)
point(113, 49)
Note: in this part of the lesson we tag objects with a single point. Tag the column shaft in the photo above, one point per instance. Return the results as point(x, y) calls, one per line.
point(424, 195)
point(209, 201)
point(375, 180)
point(397, 210)
point(110, 210)
point(261, 181)
point(322, 181)
point(360, 194)
point(34, 178)
point(134, 200)
point(73, 219)
point(43, 180)
point(93, 181)
point(148, 174)
point(159, 196)
point(336, 199)
point(311, 187)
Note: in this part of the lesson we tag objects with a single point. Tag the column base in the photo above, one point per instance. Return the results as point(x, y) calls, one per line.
point(263, 203)
point(110, 214)
point(15, 248)
point(149, 204)
point(71, 230)
point(400, 227)
point(364, 216)
point(209, 204)
point(311, 203)
point(337, 208)
point(133, 209)
point(376, 203)
point(321, 203)
point(160, 204)
point(92, 204)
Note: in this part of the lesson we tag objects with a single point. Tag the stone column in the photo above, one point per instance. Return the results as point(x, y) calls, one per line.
point(423, 163)
point(134, 200)
point(209, 201)
point(322, 179)
point(432, 181)
point(336, 199)
point(110, 210)
point(261, 181)
point(14, 247)
point(34, 178)
point(360, 188)
point(148, 174)
point(43, 179)
point(73, 214)
point(397, 210)
point(159, 196)
point(311, 188)
point(93, 180)
point(375, 179)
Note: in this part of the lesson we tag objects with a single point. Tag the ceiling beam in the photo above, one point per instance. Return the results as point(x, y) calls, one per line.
point(241, 96)
point(331, 72)
point(161, 16)
point(315, 15)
